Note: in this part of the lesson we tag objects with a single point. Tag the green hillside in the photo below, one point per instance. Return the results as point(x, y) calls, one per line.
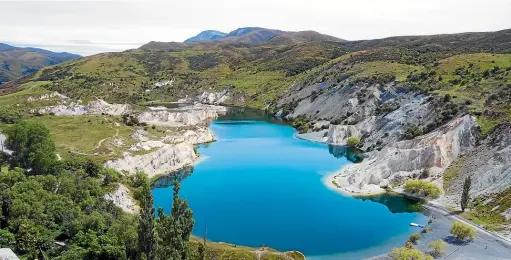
point(16, 62)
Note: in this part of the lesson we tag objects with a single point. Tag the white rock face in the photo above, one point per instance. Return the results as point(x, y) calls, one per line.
point(214, 98)
point(186, 116)
point(490, 164)
point(197, 136)
point(46, 97)
point(95, 107)
point(122, 199)
point(339, 134)
point(166, 159)
point(434, 151)
point(164, 83)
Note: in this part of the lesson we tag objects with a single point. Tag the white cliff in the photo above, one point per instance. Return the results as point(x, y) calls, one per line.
point(338, 134)
point(166, 159)
point(193, 115)
point(398, 161)
point(94, 107)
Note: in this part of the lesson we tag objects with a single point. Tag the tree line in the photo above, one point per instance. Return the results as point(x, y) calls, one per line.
point(55, 209)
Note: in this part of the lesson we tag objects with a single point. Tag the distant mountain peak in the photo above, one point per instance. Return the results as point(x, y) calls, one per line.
point(208, 35)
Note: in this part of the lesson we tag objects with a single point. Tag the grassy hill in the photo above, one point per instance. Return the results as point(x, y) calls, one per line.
point(16, 62)
point(262, 72)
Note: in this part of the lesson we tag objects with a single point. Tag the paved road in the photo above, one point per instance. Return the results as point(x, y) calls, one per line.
point(486, 246)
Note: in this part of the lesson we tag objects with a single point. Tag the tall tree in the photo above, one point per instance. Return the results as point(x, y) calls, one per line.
point(174, 230)
point(146, 237)
point(464, 196)
point(32, 147)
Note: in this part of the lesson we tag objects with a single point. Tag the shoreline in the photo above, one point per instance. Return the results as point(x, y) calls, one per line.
point(330, 178)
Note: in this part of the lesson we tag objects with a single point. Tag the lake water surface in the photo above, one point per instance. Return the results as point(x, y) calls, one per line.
point(260, 185)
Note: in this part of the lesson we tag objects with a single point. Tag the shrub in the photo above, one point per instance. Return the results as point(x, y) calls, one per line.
point(9, 115)
point(403, 253)
point(462, 231)
point(437, 247)
point(353, 141)
point(414, 237)
point(422, 188)
point(424, 174)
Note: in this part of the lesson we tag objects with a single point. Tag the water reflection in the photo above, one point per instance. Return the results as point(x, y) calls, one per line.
point(352, 154)
point(168, 180)
point(244, 115)
point(395, 203)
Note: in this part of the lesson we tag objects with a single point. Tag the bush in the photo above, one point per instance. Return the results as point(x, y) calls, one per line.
point(424, 174)
point(422, 188)
point(462, 231)
point(403, 253)
point(7, 238)
point(353, 141)
point(9, 115)
point(437, 247)
point(414, 237)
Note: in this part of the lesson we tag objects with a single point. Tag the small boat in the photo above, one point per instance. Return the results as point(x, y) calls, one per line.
point(416, 225)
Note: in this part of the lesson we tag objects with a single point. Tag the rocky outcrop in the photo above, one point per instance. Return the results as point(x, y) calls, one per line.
point(489, 165)
point(215, 98)
point(199, 135)
point(122, 198)
point(94, 107)
point(402, 160)
point(197, 114)
point(338, 134)
point(196, 136)
point(54, 95)
point(166, 159)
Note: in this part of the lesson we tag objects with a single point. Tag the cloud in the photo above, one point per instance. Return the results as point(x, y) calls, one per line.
point(89, 27)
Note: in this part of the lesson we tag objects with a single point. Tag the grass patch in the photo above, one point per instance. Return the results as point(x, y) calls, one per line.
point(82, 134)
point(452, 171)
point(490, 215)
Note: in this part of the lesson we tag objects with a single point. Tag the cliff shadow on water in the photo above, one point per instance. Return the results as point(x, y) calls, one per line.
point(354, 155)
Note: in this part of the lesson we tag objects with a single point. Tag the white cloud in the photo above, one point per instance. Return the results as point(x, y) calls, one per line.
point(89, 27)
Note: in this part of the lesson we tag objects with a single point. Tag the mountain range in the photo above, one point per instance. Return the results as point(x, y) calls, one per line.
point(16, 62)
point(258, 35)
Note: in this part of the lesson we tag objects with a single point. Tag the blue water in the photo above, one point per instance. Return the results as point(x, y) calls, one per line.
point(259, 185)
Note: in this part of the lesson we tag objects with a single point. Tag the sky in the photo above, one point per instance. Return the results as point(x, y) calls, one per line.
point(90, 27)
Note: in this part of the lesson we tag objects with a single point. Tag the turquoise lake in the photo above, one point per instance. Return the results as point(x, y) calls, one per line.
point(260, 185)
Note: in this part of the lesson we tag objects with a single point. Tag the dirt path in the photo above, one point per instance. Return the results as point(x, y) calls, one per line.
point(104, 139)
point(99, 144)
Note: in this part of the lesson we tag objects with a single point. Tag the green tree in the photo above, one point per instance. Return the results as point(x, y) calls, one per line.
point(31, 237)
point(6, 238)
point(32, 147)
point(462, 231)
point(146, 237)
point(353, 141)
point(174, 230)
point(422, 188)
point(465, 196)
point(437, 247)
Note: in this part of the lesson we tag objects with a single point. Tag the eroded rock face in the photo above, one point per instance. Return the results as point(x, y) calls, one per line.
point(197, 136)
point(122, 198)
point(95, 107)
point(398, 161)
point(166, 159)
point(193, 115)
point(489, 165)
point(338, 134)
